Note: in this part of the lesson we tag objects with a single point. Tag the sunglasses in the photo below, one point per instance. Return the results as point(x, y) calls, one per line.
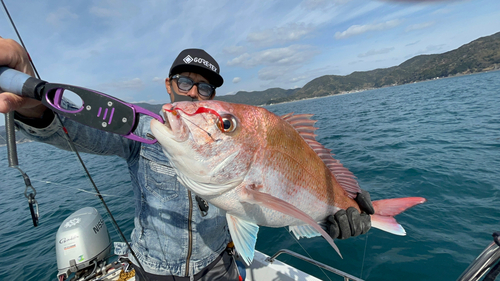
point(185, 84)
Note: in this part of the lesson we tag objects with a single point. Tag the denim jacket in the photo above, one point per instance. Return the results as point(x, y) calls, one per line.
point(170, 237)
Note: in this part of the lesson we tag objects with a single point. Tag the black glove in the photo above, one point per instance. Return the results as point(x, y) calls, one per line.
point(347, 223)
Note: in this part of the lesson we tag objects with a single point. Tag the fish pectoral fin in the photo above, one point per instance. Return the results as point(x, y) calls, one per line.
point(244, 235)
point(306, 231)
point(279, 205)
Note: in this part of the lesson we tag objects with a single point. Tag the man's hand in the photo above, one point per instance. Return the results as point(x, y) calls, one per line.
point(347, 223)
point(13, 55)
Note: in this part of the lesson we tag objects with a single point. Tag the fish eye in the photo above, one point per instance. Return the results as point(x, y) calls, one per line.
point(229, 123)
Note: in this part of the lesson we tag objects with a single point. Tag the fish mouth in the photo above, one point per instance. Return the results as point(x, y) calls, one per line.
point(167, 122)
point(173, 126)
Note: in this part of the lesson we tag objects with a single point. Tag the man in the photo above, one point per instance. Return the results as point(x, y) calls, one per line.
point(175, 237)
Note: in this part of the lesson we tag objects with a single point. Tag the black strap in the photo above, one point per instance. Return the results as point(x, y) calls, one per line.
point(203, 205)
point(39, 123)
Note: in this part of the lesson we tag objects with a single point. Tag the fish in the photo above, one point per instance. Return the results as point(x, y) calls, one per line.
point(263, 170)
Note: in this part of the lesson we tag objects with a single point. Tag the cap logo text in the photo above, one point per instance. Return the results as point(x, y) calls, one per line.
point(205, 63)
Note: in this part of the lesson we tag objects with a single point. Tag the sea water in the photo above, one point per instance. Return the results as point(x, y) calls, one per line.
point(437, 139)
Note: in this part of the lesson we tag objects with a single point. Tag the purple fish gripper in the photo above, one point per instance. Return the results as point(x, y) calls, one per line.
point(95, 97)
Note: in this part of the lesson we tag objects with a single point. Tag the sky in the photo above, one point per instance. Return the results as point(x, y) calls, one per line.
point(125, 48)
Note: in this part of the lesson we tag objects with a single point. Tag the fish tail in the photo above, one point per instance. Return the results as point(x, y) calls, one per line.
point(387, 208)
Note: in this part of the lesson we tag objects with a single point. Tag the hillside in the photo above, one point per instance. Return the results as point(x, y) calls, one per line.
point(258, 97)
point(252, 98)
point(479, 55)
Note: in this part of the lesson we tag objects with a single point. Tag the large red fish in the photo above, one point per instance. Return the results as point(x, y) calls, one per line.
point(263, 170)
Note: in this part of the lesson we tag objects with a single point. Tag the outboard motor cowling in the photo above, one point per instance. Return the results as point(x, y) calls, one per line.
point(81, 241)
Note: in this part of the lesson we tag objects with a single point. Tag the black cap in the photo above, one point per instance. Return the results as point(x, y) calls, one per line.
point(197, 61)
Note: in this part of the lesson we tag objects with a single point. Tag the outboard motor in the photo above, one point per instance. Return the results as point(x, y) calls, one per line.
point(82, 241)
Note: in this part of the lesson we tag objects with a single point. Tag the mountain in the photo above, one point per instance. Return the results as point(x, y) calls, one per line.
point(251, 98)
point(479, 55)
point(258, 97)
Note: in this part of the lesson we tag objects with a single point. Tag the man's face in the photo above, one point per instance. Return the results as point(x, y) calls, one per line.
point(172, 88)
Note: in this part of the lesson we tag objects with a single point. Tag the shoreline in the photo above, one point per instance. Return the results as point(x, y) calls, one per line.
point(369, 89)
point(18, 142)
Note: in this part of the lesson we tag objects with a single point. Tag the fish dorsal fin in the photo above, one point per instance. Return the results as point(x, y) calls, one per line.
point(304, 125)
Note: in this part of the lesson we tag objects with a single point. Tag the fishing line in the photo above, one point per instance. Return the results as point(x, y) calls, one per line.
point(200, 109)
point(20, 39)
point(73, 148)
point(75, 188)
point(297, 240)
point(194, 124)
point(98, 193)
point(364, 254)
point(205, 131)
point(204, 118)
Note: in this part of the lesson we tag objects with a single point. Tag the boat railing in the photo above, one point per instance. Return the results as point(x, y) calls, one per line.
point(487, 260)
point(346, 276)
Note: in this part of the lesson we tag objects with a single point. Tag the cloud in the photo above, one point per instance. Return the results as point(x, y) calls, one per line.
point(355, 62)
point(158, 79)
point(114, 9)
point(103, 12)
point(443, 11)
point(280, 35)
point(236, 80)
point(277, 63)
point(271, 73)
point(297, 79)
point(60, 17)
point(412, 43)
point(150, 101)
point(234, 50)
point(433, 48)
point(430, 49)
point(419, 26)
point(132, 84)
point(314, 4)
point(240, 60)
point(281, 73)
point(360, 29)
point(321, 4)
point(376, 52)
point(287, 56)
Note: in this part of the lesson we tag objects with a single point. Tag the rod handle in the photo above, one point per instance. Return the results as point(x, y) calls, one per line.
point(20, 83)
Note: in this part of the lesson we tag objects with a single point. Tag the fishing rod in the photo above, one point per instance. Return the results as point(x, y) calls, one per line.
point(11, 142)
point(125, 115)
